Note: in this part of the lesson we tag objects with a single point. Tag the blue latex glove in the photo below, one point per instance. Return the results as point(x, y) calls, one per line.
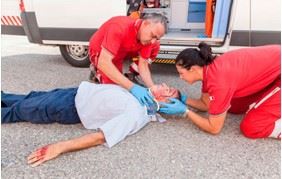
point(183, 98)
point(142, 95)
point(175, 107)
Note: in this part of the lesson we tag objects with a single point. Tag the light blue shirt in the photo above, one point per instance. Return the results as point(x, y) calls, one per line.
point(111, 109)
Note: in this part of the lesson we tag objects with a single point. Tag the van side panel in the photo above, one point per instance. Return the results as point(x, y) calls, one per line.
point(82, 14)
point(257, 22)
point(241, 27)
point(266, 15)
point(52, 21)
point(265, 22)
point(242, 15)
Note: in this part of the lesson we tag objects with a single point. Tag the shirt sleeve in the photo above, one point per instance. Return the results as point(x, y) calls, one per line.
point(150, 51)
point(113, 38)
point(220, 100)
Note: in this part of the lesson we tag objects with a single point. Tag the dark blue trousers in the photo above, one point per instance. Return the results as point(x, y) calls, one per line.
point(40, 107)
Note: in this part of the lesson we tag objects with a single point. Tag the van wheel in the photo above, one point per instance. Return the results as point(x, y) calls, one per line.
point(76, 55)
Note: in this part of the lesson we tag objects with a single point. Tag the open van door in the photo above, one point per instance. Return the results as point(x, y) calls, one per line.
point(232, 24)
point(193, 21)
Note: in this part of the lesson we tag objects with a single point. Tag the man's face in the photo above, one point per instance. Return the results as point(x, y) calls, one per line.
point(162, 92)
point(150, 32)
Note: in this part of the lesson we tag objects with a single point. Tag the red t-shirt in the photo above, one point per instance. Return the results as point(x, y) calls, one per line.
point(119, 36)
point(240, 73)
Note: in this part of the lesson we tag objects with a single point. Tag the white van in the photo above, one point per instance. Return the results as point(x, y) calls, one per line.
point(69, 24)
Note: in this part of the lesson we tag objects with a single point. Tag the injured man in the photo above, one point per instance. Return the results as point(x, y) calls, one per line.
point(110, 109)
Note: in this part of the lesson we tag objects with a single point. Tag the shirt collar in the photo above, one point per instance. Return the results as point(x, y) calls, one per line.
point(205, 75)
point(137, 26)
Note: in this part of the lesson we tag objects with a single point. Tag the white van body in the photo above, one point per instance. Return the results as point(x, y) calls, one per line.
point(70, 24)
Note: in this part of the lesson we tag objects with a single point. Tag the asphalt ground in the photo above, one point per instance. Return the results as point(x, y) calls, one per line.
point(174, 149)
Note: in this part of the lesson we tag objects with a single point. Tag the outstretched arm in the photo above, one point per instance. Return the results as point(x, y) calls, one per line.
point(52, 151)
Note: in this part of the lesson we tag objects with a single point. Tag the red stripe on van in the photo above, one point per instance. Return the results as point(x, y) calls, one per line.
point(15, 20)
point(7, 21)
point(11, 20)
point(19, 19)
point(2, 21)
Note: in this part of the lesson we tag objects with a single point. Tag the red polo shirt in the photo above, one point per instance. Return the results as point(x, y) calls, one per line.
point(240, 73)
point(119, 36)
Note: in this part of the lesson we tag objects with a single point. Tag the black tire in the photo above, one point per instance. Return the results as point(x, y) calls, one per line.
point(76, 55)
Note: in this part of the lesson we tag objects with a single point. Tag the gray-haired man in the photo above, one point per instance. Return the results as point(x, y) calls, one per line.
point(122, 37)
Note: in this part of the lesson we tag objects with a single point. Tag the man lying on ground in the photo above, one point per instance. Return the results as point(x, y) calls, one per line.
point(110, 109)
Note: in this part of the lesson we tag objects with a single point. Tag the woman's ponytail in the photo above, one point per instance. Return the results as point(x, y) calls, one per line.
point(206, 52)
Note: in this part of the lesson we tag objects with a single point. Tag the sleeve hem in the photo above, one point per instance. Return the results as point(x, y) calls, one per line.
point(220, 113)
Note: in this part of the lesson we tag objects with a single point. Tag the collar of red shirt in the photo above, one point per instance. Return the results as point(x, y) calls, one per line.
point(137, 26)
point(205, 74)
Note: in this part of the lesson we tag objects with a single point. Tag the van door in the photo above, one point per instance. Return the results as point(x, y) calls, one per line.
point(187, 24)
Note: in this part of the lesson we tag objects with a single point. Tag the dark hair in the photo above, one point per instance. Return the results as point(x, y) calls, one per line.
point(192, 56)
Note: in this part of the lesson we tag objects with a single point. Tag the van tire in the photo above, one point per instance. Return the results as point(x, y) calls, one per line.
point(76, 55)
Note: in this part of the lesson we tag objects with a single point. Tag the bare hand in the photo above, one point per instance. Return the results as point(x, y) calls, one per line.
point(43, 154)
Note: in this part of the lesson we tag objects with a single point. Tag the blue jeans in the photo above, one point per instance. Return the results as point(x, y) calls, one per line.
point(40, 107)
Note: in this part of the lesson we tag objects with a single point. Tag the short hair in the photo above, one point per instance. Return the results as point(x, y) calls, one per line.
point(156, 18)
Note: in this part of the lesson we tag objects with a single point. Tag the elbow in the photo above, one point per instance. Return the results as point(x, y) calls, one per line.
point(215, 126)
point(215, 131)
point(205, 107)
point(104, 63)
point(101, 64)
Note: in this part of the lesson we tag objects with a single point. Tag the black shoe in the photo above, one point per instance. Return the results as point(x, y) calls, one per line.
point(92, 75)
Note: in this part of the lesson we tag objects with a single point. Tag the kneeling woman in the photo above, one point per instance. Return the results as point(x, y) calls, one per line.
point(240, 81)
